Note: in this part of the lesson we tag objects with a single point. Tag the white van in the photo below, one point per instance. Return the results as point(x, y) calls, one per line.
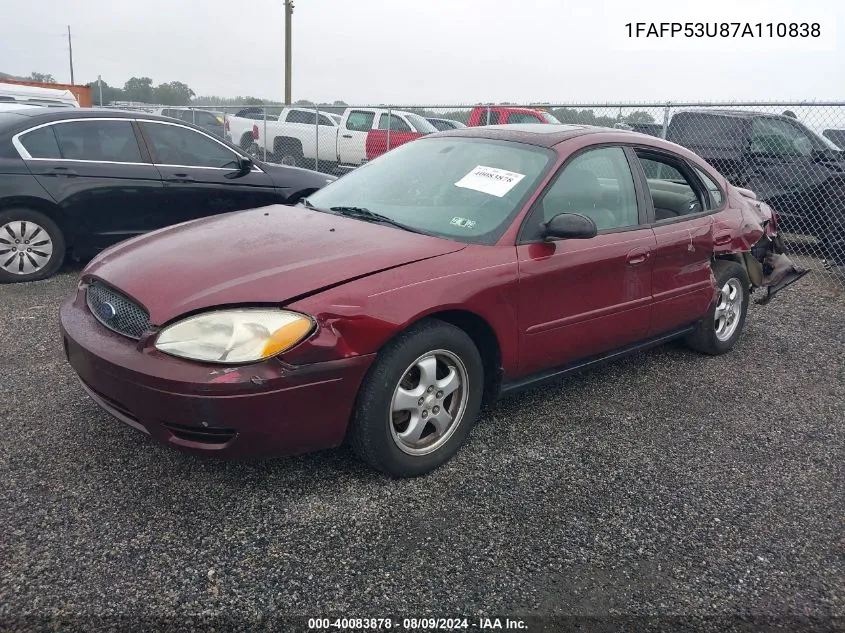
point(16, 96)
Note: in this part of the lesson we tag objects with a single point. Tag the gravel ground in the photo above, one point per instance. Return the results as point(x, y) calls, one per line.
point(699, 490)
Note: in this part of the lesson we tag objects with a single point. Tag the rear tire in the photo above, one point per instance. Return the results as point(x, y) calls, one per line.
point(288, 151)
point(32, 246)
point(419, 400)
point(718, 332)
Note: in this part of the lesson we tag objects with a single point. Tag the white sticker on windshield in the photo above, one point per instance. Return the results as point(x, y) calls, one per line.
point(464, 223)
point(497, 182)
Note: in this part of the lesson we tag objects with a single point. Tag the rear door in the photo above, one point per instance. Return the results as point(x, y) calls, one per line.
point(200, 174)
point(352, 137)
point(584, 297)
point(680, 209)
point(99, 174)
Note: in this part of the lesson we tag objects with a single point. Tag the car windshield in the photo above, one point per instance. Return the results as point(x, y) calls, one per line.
point(464, 189)
point(420, 124)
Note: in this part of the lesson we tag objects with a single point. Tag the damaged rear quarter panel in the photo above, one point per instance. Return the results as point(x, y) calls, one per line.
point(743, 223)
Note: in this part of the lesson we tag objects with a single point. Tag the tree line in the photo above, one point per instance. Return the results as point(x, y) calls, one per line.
point(177, 93)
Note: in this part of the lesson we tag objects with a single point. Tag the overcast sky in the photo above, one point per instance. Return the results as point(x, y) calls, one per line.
point(430, 51)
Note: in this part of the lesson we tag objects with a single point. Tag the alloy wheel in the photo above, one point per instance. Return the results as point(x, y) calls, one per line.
point(25, 247)
point(728, 309)
point(429, 402)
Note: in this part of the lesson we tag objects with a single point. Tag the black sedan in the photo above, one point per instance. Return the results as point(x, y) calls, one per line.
point(76, 181)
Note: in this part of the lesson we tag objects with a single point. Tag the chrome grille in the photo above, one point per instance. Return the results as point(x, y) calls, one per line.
point(116, 311)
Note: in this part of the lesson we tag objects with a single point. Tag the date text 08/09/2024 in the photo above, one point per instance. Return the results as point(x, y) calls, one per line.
point(724, 29)
point(416, 624)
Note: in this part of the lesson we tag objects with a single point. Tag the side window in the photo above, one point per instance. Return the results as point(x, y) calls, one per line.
point(522, 117)
point(359, 121)
point(712, 188)
point(598, 184)
point(396, 124)
point(773, 136)
point(300, 116)
point(493, 119)
point(324, 120)
point(112, 141)
point(177, 145)
point(672, 194)
point(41, 143)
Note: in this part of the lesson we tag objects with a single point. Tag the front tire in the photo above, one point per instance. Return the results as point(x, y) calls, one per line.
point(32, 246)
point(419, 401)
point(719, 331)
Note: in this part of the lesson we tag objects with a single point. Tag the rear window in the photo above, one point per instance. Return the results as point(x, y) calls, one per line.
point(697, 131)
point(522, 117)
point(41, 143)
point(112, 141)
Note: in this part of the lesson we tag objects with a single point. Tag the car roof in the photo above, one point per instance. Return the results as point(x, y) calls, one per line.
point(37, 116)
point(739, 114)
point(542, 134)
point(550, 135)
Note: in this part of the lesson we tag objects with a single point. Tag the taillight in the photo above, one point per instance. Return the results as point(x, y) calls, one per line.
point(254, 132)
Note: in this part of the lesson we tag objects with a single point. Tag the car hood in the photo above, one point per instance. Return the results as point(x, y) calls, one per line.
point(261, 256)
point(296, 178)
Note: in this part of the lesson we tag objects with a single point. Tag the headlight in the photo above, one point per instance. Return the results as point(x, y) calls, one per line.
point(234, 336)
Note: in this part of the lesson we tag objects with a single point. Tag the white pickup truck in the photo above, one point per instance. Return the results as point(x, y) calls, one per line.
point(330, 141)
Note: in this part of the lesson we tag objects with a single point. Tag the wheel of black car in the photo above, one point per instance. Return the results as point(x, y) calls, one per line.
point(419, 400)
point(719, 331)
point(31, 246)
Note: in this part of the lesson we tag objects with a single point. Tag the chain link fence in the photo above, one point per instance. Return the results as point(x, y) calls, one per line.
point(787, 153)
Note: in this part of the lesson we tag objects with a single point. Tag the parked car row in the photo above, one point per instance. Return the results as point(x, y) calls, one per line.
point(75, 181)
point(301, 135)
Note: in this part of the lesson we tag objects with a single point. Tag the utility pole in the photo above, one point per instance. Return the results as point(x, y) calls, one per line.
point(70, 52)
point(100, 86)
point(288, 16)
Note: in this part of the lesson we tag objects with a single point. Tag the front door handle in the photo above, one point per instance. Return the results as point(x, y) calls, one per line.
point(347, 136)
point(637, 256)
point(180, 178)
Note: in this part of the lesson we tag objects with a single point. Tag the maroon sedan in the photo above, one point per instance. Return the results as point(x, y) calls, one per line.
point(389, 305)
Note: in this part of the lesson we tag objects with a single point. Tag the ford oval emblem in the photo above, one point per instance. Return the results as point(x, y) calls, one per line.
point(107, 310)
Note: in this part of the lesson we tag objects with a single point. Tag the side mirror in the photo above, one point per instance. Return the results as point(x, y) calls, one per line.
point(245, 163)
point(571, 226)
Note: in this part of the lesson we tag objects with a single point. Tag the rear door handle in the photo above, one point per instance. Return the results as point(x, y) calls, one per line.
point(180, 178)
point(637, 256)
point(64, 171)
point(720, 239)
point(347, 136)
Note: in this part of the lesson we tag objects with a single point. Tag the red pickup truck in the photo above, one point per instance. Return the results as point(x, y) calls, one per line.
point(494, 115)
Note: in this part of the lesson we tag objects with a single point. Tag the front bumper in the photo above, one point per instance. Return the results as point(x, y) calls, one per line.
point(259, 410)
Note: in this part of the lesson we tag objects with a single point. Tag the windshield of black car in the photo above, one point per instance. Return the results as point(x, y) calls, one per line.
point(461, 188)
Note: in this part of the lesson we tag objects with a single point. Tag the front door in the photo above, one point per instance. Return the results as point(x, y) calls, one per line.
point(583, 297)
point(352, 137)
point(200, 174)
point(97, 172)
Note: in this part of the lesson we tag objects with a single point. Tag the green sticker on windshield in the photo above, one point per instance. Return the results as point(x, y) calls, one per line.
point(464, 223)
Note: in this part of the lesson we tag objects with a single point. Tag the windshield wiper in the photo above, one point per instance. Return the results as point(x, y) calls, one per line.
point(362, 213)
